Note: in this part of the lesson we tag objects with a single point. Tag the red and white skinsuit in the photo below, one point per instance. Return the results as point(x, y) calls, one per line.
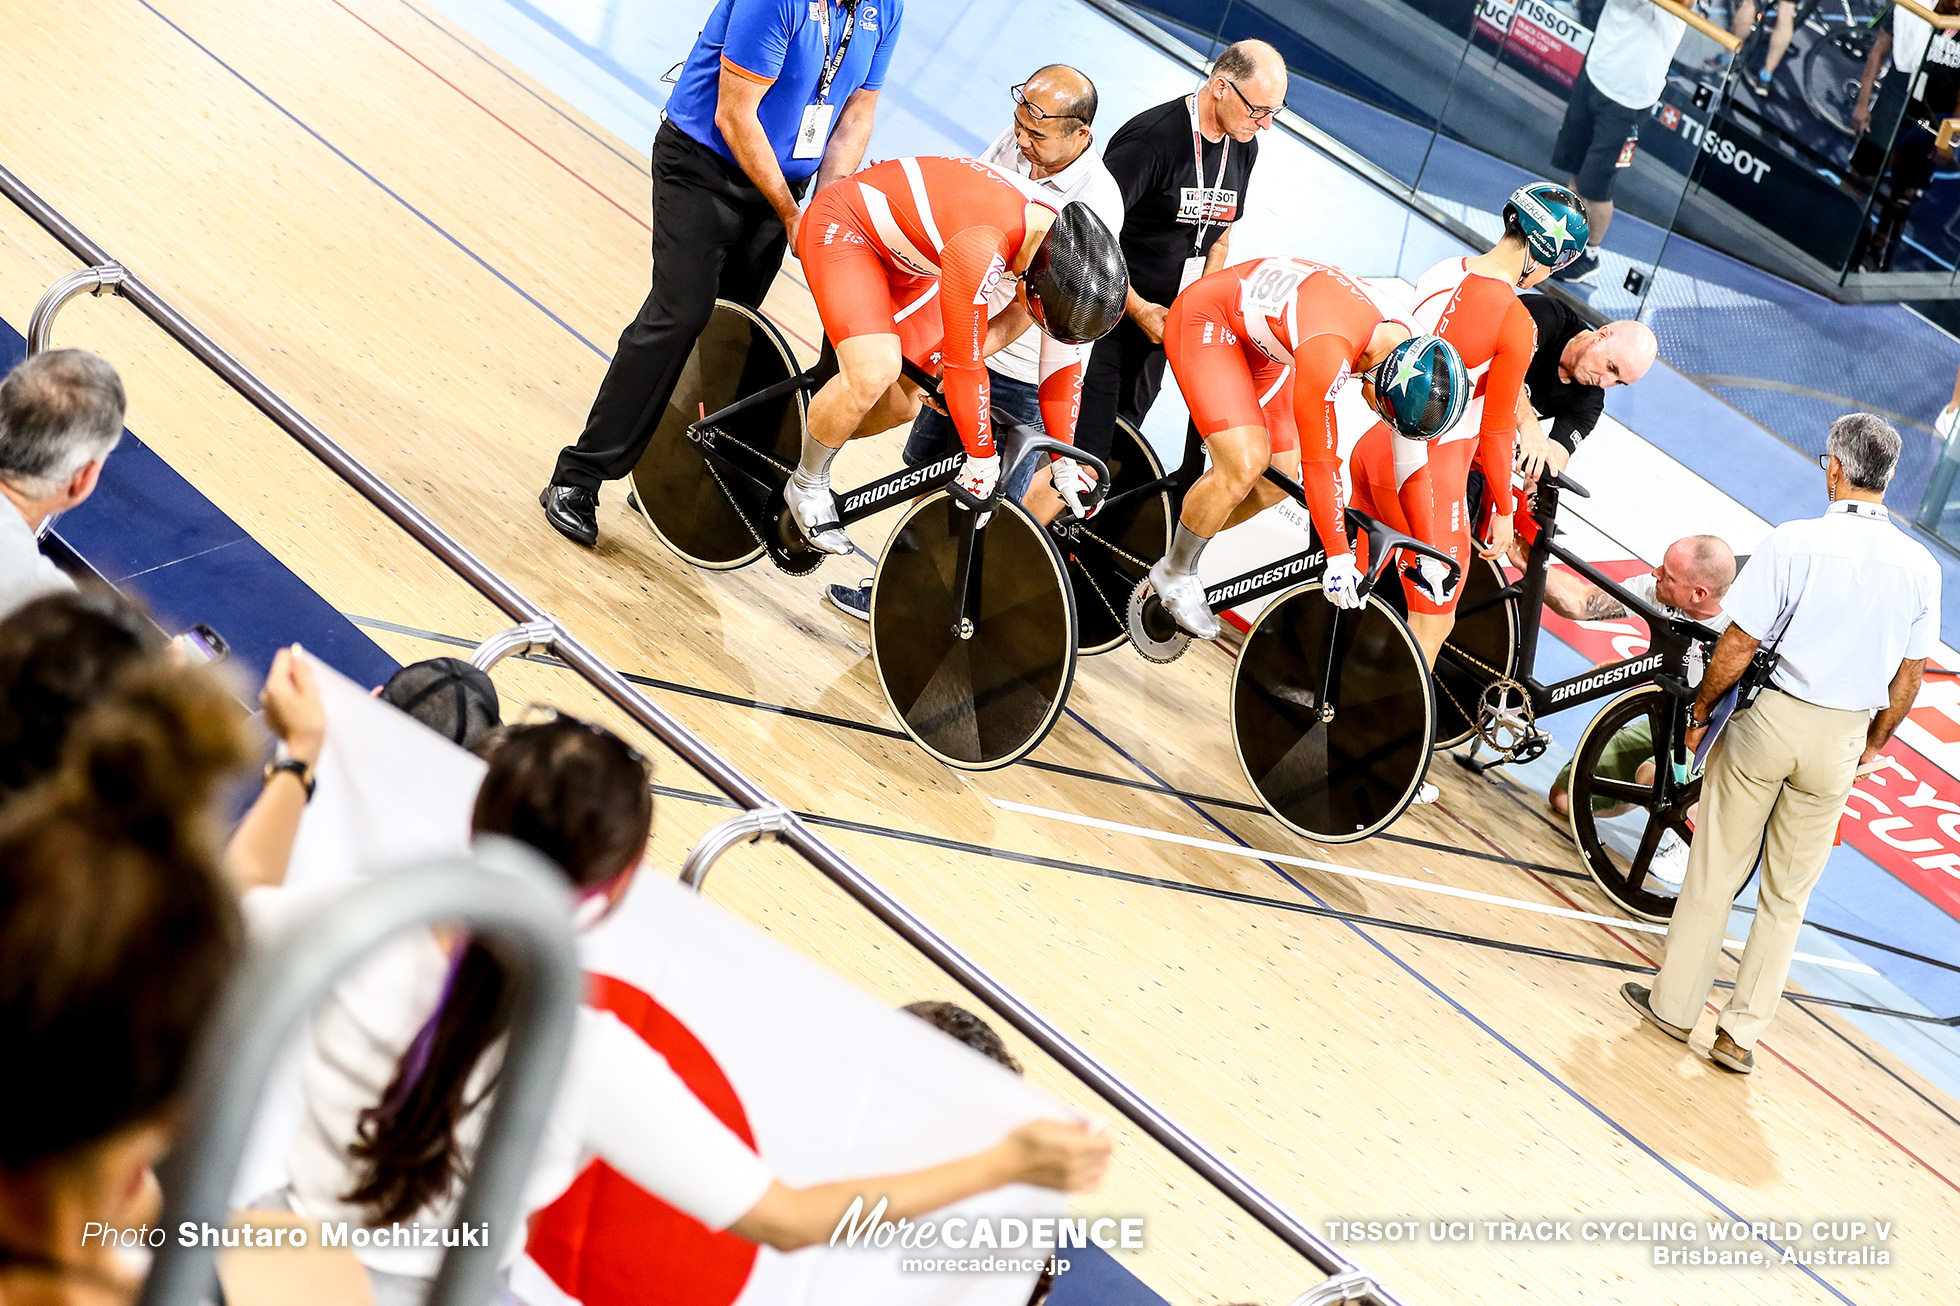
point(1489, 326)
point(918, 248)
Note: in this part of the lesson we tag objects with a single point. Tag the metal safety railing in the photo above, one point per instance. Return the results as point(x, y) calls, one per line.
point(514, 903)
point(536, 629)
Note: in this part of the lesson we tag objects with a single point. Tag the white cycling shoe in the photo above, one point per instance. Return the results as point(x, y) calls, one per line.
point(1670, 864)
point(814, 509)
point(1183, 596)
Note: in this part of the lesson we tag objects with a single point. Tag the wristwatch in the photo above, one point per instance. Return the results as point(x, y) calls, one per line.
point(1694, 723)
point(303, 770)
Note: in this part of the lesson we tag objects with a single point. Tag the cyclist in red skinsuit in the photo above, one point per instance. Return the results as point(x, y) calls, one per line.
point(902, 259)
point(1473, 304)
point(1260, 350)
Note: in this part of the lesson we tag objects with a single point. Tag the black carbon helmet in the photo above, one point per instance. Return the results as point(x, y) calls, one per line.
point(1077, 282)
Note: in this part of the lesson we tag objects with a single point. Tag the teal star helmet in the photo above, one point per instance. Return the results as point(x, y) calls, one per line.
point(1551, 220)
point(1420, 389)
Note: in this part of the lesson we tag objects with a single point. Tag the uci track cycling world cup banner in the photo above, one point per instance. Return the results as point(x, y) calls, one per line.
point(1536, 35)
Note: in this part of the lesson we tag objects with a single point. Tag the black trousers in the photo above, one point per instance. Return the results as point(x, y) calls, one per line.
point(1125, 373)
point(714, 236)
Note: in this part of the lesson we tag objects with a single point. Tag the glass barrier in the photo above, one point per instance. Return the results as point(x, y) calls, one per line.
point(1809, 146)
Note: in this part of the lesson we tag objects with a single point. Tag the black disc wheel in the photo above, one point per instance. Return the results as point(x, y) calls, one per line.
point(705, 493)
point(1626, 831)
point(1108, 554)
point(984, 696)
point(1481, 650)
point(1332, 714)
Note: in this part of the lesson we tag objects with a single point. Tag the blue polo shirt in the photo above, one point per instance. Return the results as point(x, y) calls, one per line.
point(782, 39)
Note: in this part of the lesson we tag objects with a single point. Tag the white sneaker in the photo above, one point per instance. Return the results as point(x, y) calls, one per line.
point(1183, 596)
point(1670, 864)
point(1429, 793)
point(814, 509)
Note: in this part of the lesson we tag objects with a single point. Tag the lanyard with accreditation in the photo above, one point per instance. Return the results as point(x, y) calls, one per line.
point(815, 131)
point(1201, 203)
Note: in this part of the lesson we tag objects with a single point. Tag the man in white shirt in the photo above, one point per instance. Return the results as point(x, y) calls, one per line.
point(61, 412)
point(1049, 144)
point(1850, 606)
point(1624, 74)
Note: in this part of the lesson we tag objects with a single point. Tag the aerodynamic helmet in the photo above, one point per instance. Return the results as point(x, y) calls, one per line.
point(1420, 389)
point(1077, 281)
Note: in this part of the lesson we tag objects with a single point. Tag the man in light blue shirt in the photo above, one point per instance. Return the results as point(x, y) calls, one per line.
point(1850, 605)
point(773, 94)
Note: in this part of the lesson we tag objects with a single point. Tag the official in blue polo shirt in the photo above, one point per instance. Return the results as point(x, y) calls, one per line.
point(775, 92)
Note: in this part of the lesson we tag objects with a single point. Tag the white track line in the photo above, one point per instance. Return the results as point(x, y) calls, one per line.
point(1377, 877)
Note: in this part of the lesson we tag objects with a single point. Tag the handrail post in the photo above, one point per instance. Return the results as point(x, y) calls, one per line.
point(516, 905)
point(540, 634)
point(769, 822)
point(95, 280)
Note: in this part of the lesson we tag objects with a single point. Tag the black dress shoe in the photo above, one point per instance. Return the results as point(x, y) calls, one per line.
point(573, 512)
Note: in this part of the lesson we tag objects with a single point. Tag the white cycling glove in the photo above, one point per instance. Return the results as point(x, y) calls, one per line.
point(978, 476)
point(1341, 582)
point(1072, 481)
point(1433, 576)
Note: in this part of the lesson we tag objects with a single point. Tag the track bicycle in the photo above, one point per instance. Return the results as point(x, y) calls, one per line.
point(973, 629)
point(1485, 678)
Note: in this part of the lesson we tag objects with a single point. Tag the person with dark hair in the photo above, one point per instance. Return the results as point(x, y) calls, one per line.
point(59, 654)
point(61, 412)
point(449, 696)
point(116, 935)
point(952, 1019)
point(1473, 304)
point(773, 94)
point(404, 1054)
point(1048, 142)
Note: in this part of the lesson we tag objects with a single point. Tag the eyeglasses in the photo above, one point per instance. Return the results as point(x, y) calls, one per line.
point(1259, 112)
point(1036, 111)
point(1824, 461)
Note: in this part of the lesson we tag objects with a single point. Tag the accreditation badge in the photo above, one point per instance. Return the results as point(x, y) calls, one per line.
point(815, 131)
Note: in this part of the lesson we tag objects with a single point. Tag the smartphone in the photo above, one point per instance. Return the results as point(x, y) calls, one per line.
point(204, 645)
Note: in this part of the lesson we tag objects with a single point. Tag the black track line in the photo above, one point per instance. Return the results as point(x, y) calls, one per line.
point(1258, 900)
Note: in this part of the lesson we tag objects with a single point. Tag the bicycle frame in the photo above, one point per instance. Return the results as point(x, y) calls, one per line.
point(1665, 662)
point(1290, 571)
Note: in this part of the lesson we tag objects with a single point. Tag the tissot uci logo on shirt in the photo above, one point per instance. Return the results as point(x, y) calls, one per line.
point(1207, 204)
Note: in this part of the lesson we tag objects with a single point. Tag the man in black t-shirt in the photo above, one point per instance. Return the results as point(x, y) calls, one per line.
point(1572, 370)
point(1176, 222)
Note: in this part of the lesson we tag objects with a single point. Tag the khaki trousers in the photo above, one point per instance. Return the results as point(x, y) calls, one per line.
point(1783, 769)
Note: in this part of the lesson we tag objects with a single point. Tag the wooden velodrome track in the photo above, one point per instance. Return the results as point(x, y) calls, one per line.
point(427, 254)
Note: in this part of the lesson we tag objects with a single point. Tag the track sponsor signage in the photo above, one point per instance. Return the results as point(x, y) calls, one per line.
point(1536, 36)
point(1905, 816)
